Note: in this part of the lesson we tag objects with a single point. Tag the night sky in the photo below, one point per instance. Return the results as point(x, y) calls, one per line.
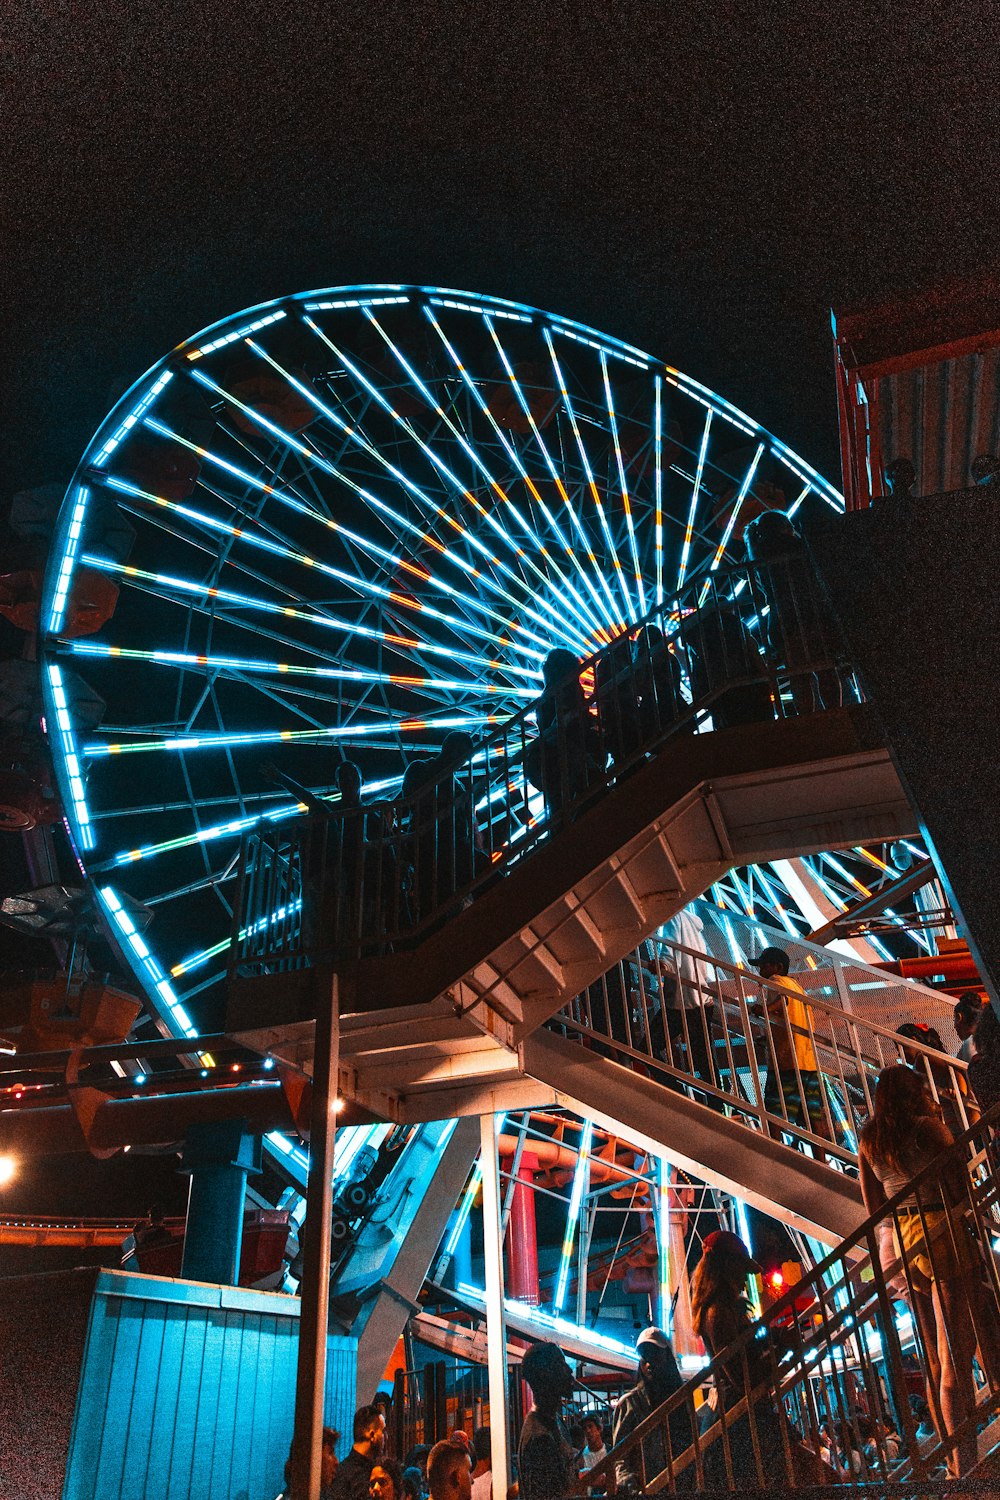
point(701, 181)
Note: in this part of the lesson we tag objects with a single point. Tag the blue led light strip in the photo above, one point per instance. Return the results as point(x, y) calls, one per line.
point(498, 489)
point(419, 494)
point(144, 961)
point(137, 412)
point(580, 1176)
point(557, 609)
point(254, 665)
point(363, 586)
point(212, 741)
point(71, 758)
point(658, 482)
point(615, 619)
point(578, 604)
point(237, 333)
point(73, 532)
point(695, 496)
point(210, 595)
point(564, 542)
point(626, 499)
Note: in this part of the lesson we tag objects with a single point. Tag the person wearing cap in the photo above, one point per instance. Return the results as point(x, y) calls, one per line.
point(658, 1379)
point(720, 1314)
point(793, 1087)
point(546, 1459)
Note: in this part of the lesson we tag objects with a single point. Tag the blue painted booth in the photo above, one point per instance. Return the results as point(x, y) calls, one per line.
point(183, 1390)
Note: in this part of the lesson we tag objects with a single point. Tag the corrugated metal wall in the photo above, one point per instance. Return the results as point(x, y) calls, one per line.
point(187, 1392)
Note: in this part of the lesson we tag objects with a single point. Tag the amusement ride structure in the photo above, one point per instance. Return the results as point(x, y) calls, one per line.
point(350, 528)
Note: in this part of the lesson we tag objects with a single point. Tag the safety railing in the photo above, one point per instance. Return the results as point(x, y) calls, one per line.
point(739, 647)
point(881, 1366)
point(791, 1064)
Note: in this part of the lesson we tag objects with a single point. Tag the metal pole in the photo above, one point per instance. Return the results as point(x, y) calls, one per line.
point(315, 1288)
point(496, 1326)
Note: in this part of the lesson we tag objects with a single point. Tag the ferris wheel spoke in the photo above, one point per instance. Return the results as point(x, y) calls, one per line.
point(695, 496)
point(381, 505)
point(188, 743)
point(581, 608)
point(361, 585)
point(554, 526)
point(615, 617)
point(248, 667)
point(495, 562)
point(610, 618)
point(210, 596)
point(733, 518)
point(490, 477)
point(394, 561)
point(626, 499)
point(472, 453)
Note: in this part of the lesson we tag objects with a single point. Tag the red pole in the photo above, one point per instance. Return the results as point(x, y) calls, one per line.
point(522, 1235)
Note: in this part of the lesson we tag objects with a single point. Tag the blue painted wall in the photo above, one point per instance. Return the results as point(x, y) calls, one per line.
point(187, 1392)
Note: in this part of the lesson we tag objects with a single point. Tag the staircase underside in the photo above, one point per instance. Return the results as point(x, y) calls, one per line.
point(451, 1028)
point(583, 899)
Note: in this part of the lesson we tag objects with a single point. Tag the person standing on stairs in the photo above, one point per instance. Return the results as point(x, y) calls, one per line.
point(793, 1088)
point(546, 1459)
point(904, 1135)
point(659, 1378)
point(721, 1313)
point(984, 1069)
point(966, 1016)
point(566, 758)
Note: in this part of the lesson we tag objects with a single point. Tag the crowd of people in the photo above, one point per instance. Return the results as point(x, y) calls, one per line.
point(943, 1281)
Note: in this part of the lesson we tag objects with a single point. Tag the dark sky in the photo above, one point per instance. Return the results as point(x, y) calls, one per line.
point(702, 181)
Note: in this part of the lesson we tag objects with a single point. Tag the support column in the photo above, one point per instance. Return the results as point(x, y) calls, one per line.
point(315, 1285)
point(218, 1158)
point(496, 1326)
point(522, 1233)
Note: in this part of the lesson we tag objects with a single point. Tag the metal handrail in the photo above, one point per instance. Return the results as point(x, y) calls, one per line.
point(384, 875)
point(625, 1016)
point(850, 1356)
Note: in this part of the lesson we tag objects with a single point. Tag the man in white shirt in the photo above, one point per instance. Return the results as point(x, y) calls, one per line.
point(594, 1451)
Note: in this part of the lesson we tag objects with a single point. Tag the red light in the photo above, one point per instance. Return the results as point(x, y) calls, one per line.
point(776, 1279)
point(235, 1067)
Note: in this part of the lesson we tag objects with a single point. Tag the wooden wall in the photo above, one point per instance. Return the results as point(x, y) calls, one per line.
point(187, 1392)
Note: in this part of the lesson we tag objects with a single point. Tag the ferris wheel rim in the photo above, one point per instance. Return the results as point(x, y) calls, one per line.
point(244, 323)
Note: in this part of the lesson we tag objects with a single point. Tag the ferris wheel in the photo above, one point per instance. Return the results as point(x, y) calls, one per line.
point(338, 526)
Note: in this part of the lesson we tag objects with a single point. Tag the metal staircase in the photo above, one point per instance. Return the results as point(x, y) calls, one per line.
point(818, 1391)
point(453, 947)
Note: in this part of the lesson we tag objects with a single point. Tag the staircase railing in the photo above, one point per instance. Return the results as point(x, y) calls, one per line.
point(829, 1385)
point(742, 646)
point(795, 1066)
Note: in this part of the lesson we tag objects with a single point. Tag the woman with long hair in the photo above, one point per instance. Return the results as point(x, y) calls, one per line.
point(720, 1313)
point(905, 1133)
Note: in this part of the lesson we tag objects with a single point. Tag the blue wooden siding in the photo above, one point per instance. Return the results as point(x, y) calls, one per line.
point(187, 1392)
